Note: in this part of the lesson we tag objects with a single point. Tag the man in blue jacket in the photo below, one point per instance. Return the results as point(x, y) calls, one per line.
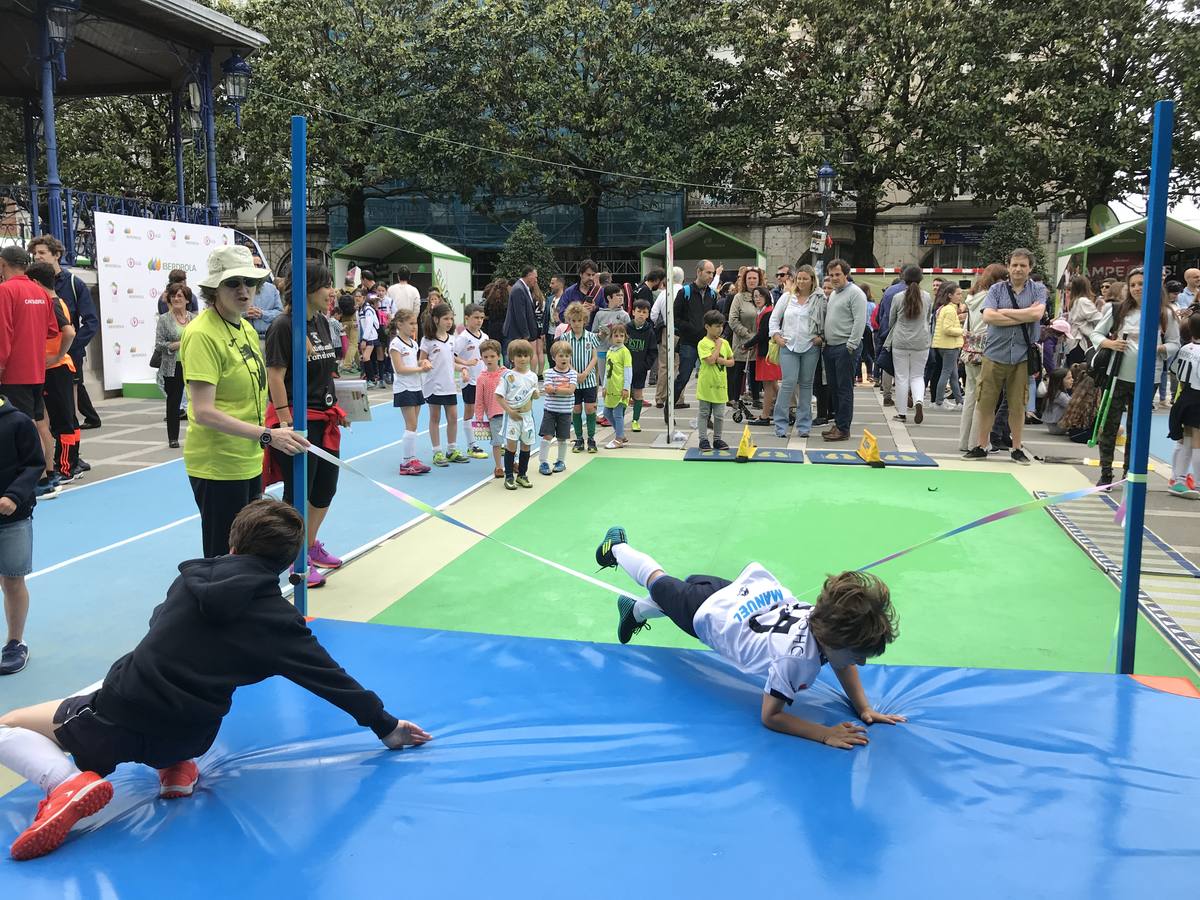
point(78, 297)
point(520, 321)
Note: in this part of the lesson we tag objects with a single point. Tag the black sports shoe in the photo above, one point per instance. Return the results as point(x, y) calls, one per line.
point(1020, 458)
point(577, 447)
point(976, 454)
point(13, 658)
point(1105, 480)
point(591, 446)
point(628, 625)
point(604, 554)
point(719, 444)
point(704, 445)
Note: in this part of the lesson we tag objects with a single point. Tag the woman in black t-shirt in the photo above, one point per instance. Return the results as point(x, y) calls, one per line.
point(325, 417)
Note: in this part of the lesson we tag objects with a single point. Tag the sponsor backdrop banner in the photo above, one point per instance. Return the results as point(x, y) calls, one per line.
point(134, 257)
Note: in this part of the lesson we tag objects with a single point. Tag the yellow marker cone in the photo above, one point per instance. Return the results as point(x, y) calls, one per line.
point(868, 450)
point(746, 448)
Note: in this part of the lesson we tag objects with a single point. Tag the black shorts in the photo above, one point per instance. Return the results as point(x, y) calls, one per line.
point(555, 424)
point(468, 394)
point(585, 395)
point(408, 398)
point(322, 475)
point(442, 399)
point(680, 599)
point(25, 397)
point(99, 746)
point(639, 380)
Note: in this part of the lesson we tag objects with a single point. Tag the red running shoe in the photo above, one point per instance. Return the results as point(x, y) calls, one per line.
point(76, 798)
point(178, 780)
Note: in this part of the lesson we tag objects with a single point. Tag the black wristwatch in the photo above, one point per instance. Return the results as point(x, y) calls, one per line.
point(264, 439)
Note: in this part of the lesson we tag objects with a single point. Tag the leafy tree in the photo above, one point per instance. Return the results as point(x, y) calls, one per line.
point(874, 88)
point(597, 89)
point(1069, 121)
point(527, 246)
point(1015, 227)
point(368, 74)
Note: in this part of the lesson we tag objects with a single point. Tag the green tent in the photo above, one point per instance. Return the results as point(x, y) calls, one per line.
point(702, 241)
point(431, 262)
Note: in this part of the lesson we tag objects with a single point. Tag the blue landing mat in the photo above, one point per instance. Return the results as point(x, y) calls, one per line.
point(889, 457)
point(763, 454)
point(574, 770)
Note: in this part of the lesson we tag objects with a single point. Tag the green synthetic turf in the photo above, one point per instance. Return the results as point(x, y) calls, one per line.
point(1012, 594)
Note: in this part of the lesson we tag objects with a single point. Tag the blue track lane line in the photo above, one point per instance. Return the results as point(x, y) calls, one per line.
point(87, 612)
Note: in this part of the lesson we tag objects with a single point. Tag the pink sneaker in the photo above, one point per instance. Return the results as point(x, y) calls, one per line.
point(319, 556)
point(178, 780)
point(413, 467)
point(315, 578)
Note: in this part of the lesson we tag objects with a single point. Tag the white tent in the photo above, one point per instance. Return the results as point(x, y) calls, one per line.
point(431, 262)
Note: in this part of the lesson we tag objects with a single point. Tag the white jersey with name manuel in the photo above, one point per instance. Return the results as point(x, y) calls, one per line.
point(758, 625)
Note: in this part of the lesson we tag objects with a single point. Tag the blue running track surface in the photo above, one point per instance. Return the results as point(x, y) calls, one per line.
point(563, 769)
point(87, 612)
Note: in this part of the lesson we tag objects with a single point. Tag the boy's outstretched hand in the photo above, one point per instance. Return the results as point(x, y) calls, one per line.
point(406, 734)
point(845, 736)
point(871, 717)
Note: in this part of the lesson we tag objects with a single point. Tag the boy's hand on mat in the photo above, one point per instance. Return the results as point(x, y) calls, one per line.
point(406, 734)
point(871, 717)
point(845, 736)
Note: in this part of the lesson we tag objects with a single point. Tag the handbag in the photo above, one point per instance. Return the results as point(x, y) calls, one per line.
point(773, 354)
point(1033, 354)
point(156, 358)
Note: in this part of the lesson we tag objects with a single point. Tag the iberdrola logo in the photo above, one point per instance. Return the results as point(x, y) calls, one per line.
point(154, 264)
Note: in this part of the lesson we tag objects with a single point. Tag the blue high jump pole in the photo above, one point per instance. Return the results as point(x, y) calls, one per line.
point(299, 353)
point(1138, 445)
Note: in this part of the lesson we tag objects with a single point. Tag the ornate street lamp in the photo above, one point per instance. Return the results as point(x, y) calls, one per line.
point(236, 83)
point(825, 177)
point(60, 19)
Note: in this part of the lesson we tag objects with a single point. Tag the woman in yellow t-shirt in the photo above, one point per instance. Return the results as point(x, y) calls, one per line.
point(227, 398)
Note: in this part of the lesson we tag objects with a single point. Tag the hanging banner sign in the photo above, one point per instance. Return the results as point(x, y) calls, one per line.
point(134, 256)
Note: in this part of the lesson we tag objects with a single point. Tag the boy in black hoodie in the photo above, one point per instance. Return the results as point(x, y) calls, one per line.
point(21, 465)
point(644, 349)
point(224, 624)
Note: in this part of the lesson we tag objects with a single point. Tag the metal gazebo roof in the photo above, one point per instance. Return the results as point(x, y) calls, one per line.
point(121, 46)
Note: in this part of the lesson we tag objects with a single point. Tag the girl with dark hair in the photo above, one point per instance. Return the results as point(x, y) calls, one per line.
point(948, 314)
point(1083, 316)
point(766, 373)
point(1119, 330)
point(909, 340)
point(1058, 398)
point(324, 418)
point(438, 383)
point(1079, 419)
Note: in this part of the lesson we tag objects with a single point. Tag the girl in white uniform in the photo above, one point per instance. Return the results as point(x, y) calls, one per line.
point(759, 626)
point(406, 386)
point(437, 384)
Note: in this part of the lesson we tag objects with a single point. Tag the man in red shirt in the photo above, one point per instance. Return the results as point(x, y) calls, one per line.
point(27, 320)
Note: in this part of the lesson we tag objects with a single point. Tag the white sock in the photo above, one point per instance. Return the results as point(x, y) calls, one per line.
point(544, 451)
point(1196, 461)
point(35, 757)
point(562, 451)
point(634, 563)
point(410, 445)
point(647, 609)
point(1180, 460)
point(437, 448)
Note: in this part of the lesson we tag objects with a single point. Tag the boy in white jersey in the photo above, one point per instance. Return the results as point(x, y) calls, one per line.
point(466, 348)
point(517, 390)
point(759, 626)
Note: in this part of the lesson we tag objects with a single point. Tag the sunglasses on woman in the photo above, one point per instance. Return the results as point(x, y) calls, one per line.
point(234, 283)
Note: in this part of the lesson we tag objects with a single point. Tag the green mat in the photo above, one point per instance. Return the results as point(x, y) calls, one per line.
point(1013, 594)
